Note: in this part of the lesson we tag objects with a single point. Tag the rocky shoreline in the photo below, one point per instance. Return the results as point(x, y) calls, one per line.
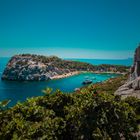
point(28, 67)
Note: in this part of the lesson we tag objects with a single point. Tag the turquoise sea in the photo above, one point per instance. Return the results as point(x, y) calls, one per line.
point(19, 91)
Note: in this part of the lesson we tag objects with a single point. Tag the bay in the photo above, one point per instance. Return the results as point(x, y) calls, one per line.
point(20, 91)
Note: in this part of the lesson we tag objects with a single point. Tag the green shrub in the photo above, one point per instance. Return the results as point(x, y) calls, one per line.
point(73, 116)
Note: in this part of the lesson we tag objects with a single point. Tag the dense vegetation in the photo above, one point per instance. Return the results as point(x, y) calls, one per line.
point(88, 114)
point(109, 86)
point(76, 65)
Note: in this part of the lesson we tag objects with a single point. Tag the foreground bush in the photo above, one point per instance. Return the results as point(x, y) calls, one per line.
point(74, 116)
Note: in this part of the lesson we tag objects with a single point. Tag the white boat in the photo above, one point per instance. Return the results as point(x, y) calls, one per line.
point(87, 82)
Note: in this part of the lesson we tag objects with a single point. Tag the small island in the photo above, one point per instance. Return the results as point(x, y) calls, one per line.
point(27, 67)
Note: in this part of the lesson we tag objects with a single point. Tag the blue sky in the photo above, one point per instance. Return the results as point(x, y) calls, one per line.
point(70, 28)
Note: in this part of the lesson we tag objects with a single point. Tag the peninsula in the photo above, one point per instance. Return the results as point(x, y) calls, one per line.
point(27, 67)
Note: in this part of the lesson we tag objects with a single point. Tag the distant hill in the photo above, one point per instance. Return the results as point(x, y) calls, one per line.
point(125, 62)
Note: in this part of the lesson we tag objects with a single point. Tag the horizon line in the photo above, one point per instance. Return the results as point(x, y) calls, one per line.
point(76, 58)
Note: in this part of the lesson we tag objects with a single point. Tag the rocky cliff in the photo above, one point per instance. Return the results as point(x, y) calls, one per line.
point(40, 68)
point(28, 67)
point(132, 86)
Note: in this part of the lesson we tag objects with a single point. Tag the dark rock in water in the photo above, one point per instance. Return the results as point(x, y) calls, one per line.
point(132, 86)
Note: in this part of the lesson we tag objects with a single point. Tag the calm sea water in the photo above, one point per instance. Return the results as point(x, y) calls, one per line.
point(19, 91)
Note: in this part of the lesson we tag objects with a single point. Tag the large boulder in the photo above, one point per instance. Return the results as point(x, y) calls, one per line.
point(132, 86)
point(136, 84)
point(135, 69)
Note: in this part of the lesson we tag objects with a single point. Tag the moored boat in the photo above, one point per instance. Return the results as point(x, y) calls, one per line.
point(87, 82)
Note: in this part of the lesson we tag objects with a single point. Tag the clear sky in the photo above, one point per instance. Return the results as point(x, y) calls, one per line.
point(70, 28)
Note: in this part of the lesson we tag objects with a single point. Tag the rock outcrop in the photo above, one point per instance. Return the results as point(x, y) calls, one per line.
point(31, 68)
point(28, 67)
point(132, 86)
point(40, 68)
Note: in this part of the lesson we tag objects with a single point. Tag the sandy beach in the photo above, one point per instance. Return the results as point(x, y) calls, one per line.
point(78, 72)
point(65, 75)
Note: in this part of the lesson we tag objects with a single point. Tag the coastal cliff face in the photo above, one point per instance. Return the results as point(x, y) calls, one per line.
point(40, 68)
point(132, 86)
point(25, 68)
point(28, 67)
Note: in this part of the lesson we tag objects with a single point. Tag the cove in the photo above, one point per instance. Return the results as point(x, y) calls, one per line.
point(20, 91)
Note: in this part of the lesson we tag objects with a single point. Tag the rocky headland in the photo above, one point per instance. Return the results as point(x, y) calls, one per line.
point(132, 85)
point(27, 67)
